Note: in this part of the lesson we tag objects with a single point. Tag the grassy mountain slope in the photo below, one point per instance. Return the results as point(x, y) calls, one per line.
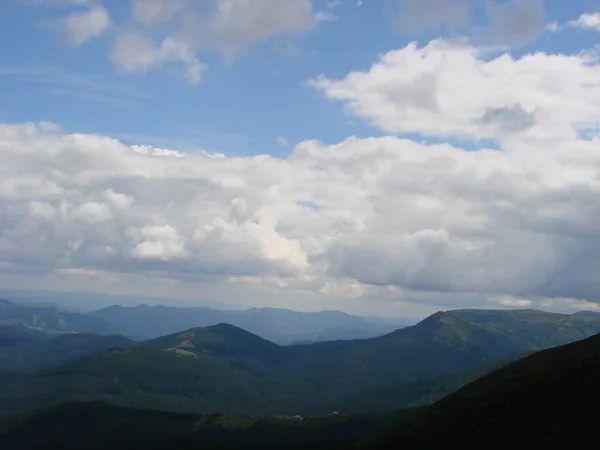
point(545, 401)
point(223, 368)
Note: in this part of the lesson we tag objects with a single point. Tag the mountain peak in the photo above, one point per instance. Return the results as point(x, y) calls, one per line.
point(223, 340)
point(5, 303)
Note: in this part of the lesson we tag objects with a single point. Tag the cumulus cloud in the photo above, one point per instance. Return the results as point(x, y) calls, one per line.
point(153, 12)
point(587, 21)
point(345, 220)
point(509, 22)
point(137, 53)
point(453, 89)
point(80, 27)
point(382, 217)
point(516, 21)
point(225, 26)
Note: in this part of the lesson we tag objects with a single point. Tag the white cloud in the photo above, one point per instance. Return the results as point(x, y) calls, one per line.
point(153, 12)
point(80, 27)
point(281, 140)
point(226, 26)
point(419, 13)
point(157, 242)
point(238, 24)
point(515, 21)
point(137, 53)
point(453, 89)
point(348, 220)
point(509, 21)
point(587, 21)
point(385, 219)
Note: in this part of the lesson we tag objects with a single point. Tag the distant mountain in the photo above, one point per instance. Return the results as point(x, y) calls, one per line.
point(50, 320)
point(41, 351)
point(281, 326)
point(224, 368)
point(16, 334)
point(592, 314)
point(547, 401)
point(81, 301)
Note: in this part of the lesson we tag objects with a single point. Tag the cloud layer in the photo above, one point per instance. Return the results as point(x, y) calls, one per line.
point(448, 89)
point(514, 224)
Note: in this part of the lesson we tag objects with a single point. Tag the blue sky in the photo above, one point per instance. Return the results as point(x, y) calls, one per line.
point(377, 156)
point(240, 107)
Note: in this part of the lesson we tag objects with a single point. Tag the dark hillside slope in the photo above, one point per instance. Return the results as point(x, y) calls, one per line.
point(547, 401)
point(98, 425)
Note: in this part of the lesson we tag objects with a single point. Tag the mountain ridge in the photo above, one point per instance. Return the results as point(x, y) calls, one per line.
point(225, 368)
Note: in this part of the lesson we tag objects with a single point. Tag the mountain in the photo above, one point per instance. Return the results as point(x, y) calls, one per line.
point(53, 320)
point(227, 369)
point(99, 425)
point(545, 401)
point(592, 314)
point(41, 351)
point(278, 325)
point(15, 334)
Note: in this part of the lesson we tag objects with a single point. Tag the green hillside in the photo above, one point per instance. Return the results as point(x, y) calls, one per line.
point(98, 425)
point(32, 353)
point(226, 369)
point(545, 401)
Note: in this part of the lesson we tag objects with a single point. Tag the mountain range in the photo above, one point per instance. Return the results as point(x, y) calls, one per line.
point(223, 368)
point(145, 322)
point(544, 401)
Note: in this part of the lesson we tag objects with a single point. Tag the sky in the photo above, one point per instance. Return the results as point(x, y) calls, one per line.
point(381, 157)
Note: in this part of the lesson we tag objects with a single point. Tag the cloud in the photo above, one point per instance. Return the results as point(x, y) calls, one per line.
point(418, 13)
point(509, 22)
point(61, 3)
point(136, 53)
point(281, 140)
point(379, 217)
point(587, 21)
point(153, 12)
point(225, 26)
point(449, 89)
point(238, 24)
point(516, 21)
point(387, 219)
point(81, 27)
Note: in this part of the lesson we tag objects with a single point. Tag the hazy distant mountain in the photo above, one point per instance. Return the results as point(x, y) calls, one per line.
point(91, 301)
point(225, 368)
point(278, 325)
point(593, 314)
point(547, 401)
point(48, 319)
